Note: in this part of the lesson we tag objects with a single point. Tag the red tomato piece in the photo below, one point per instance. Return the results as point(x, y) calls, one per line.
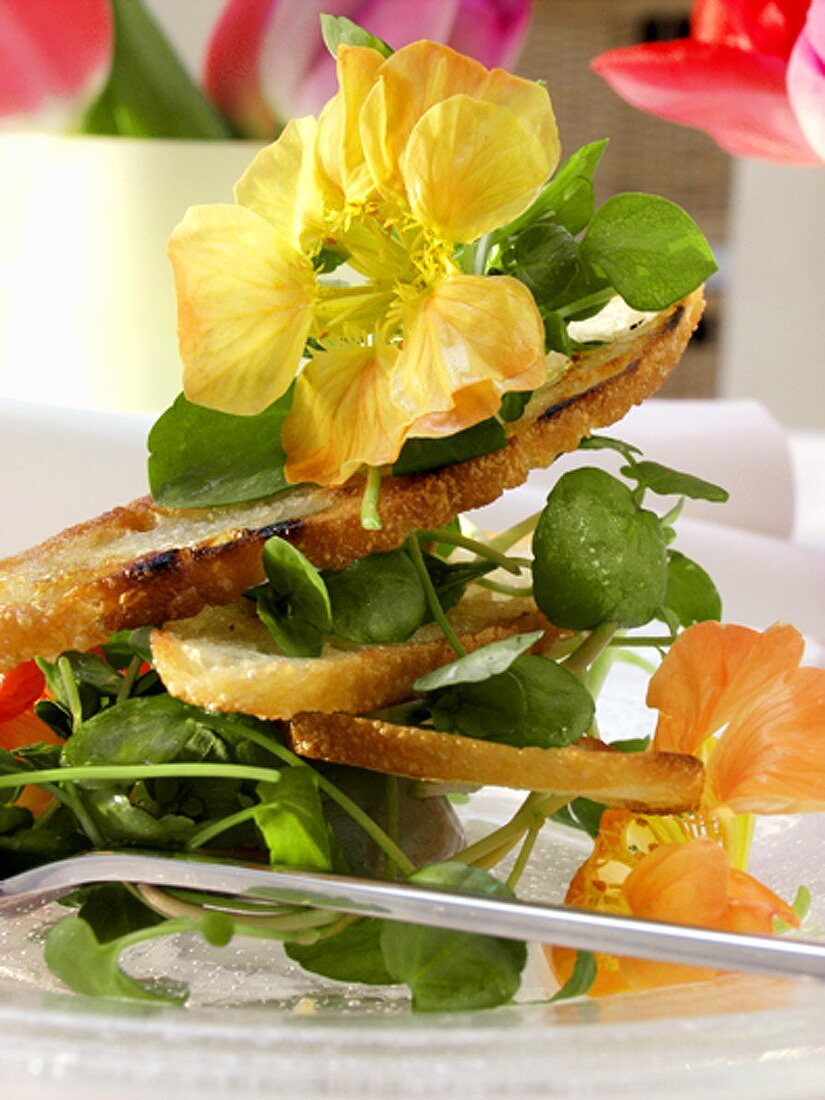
point(19, 689)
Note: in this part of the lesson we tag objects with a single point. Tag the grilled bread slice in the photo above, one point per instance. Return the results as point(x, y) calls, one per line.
point(646, 782)
point(143, 564)
point(224, 659)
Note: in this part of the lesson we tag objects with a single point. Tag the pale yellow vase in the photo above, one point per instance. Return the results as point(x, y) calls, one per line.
point(87, 307)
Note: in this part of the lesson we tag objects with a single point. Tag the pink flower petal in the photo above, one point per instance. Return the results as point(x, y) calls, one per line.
point(739, 98)
point(806, 78)
point(771, 26)
point(266, 61)
point(50, 57)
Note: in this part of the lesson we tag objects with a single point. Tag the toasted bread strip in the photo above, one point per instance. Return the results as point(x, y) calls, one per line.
point(646, 782)
point(225, 659)
point(143, 564)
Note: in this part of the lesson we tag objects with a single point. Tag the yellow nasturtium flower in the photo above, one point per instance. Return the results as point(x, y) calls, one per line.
point(416, 155)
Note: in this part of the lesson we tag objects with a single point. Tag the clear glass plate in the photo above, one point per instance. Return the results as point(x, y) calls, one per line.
point(257, 1026)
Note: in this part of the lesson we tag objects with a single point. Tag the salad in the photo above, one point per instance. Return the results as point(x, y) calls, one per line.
point(392, 318)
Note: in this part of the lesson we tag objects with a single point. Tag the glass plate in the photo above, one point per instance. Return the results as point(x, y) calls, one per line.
point(258, 1026)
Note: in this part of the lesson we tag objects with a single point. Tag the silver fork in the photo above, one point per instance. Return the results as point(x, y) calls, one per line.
point(517, 920)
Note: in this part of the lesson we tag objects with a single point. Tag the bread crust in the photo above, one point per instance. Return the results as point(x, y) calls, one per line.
point(646, 782)
point(144, 565)
point(224, 659)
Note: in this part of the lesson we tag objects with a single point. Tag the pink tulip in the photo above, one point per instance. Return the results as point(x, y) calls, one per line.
point(752, 75)
point(266, 62)
point(53, 58)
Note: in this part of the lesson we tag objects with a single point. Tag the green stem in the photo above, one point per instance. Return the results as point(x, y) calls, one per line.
point(128, 681)
point(526, 850)
point(590, 301)
point(590, 648)
point(215, 828)
point(70, 687)
point(537, 806)
point(480, 549)
point(393, 823)
point(506, 539)
point(504, 589)
point(370, 520)
point(72, 801)
point(626, 641)
point(436, 610)
point(129, 773)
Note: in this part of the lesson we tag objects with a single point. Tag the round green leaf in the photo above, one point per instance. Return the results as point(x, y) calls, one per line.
point(481, 664)
point(599, 557)
point(378, 599)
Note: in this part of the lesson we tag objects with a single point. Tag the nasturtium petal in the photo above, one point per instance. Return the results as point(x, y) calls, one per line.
point(470, 166)
point(283, 184)
point(468, 342)
point(423, 74)
point(244, 307)
point(344, 415)
point(339, 151)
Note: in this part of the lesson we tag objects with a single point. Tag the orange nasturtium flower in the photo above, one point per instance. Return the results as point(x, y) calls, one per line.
point(769, 757)
point(416, 155)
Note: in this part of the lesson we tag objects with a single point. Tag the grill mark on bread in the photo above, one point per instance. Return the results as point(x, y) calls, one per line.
point(554, 410)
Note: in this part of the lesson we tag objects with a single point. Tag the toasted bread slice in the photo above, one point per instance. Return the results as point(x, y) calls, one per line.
point(143, 564)
point(646, 782)
point(225, 659)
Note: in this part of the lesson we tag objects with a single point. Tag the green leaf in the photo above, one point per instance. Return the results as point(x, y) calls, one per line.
point(607, 443)
point(351, 955)
point(556, 337)
point(76, 956)
point(583, 814)
point(534, 703)
point(292, 822)
point(652, 252)
point(666, 482)
point(156, 729)
point(599, 557)
point(581, 980)
point(113, 910)
point(450, 579)
point(14, 818)
point(337, 31)
point(200, 458)
point(691, 594)
point(294, 606)
point(120, 822)
point(479, 665)
point(377, 599)
point(545, 257)
point(420, 455)
point(45, 842)
point(149, 92)
point(454, 971)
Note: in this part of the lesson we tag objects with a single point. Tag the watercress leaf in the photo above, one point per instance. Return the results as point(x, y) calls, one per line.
point(454, 971)
point(56, 717)
point(607, 443)
point(14, 818)
point(599, 557)
point(338, 30)
point(351, 955)
point(292, 823)
point(76, 956)
point(200, 458)
point(113, 910)
point(651, 251)
point(43, 843)
point(445, 550)
point(513, 404)
point(556, 336)
point(295, 606)
point(121, 822)
point(582, 978)
point(90, 669)
point(691, 594)
point(420, 455)
point(666, 482)
point(296, 637)
point(577, 206)
point(535, 702)
point(481, 664)
point(545, 257)
point(377, 599)
point(294, 579)
point(490, 710)
point(155, 729)
point(450, 579)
